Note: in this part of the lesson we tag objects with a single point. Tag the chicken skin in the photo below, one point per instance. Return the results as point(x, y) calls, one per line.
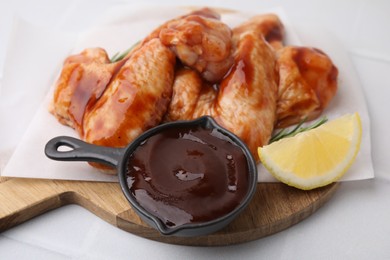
point(308, 82)
point(201, 43)
point(244, 102)
point(135, 100)
point(186, 94)
point(203, 12)
point(267, 26)
point(83, 80)
point(307, 76)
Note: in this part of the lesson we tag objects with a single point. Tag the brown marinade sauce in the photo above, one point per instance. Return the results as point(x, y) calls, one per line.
point(188, 175)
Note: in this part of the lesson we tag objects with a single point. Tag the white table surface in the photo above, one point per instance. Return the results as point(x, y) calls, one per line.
point(354, 224)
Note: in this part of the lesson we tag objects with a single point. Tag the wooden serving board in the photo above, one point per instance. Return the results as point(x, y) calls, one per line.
point(274, 207)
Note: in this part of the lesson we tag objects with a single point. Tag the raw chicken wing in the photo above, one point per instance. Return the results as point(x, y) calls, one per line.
point(136, 99)
point(308, 82)
point(83, 80)
point(244, 102)
point(201, 43)
point(268, 26)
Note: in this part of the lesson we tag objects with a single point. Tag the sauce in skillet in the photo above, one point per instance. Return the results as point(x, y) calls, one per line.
point(188, 175)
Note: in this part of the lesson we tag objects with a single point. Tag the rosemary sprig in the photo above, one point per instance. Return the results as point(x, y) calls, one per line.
point(118, 56)
point(297, 129)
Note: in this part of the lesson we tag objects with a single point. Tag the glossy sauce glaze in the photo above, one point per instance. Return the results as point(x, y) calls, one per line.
point(318, 71)
point(188, 175)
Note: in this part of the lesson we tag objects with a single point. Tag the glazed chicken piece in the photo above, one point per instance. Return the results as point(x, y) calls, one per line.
point(268, 26)
point(244, 102)
point(83, 79)
point(201, 43)
point(307, 76)
point(308, 81)
point(135, 100)
point(192, 96)
point(204, 12)
point(112, 103)
point(187, 87)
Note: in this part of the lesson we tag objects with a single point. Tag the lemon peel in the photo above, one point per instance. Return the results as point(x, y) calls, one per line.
point(317, 157)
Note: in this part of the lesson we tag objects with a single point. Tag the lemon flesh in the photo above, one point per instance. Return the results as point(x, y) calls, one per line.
point(317, 157)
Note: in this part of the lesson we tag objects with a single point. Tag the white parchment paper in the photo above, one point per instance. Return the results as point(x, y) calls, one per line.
point(121, 28)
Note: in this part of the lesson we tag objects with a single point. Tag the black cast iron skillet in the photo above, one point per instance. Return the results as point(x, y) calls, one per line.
point(117, 157)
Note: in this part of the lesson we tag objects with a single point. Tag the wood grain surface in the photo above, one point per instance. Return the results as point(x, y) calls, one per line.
point(274, 207)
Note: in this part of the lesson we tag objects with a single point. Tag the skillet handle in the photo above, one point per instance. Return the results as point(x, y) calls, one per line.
point(82, 151)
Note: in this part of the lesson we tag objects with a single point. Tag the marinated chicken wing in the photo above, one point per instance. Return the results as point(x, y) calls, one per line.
point(135, 100)
point(268, 26)
point(83, 79)
point(200, 40)
point(201, 43)
point(187, 88)
point(308, 81)
point(244, 102)
point(204, 12)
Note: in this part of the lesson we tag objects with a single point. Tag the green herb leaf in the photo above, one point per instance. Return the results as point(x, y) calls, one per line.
point(297, 129)
point(119, 56)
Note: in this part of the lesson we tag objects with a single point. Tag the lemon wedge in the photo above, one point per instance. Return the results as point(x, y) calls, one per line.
point(317, 157)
